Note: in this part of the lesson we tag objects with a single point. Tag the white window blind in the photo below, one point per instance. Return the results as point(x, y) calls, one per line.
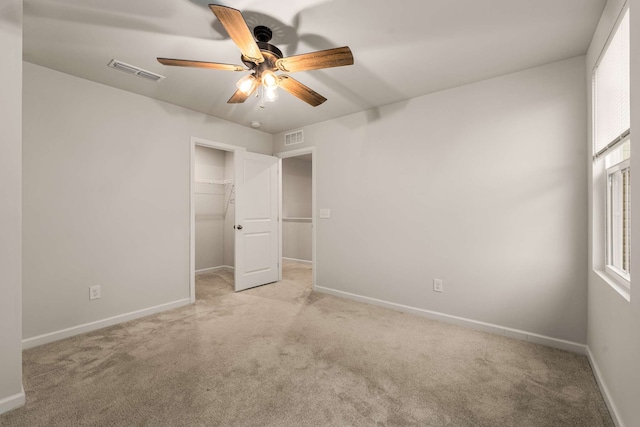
point(611, 91)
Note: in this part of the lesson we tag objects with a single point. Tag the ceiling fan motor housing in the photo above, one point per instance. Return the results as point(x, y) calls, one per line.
point(262, 33)
point(270, 52)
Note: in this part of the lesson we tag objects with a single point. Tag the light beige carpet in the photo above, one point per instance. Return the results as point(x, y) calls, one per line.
point(281, 355)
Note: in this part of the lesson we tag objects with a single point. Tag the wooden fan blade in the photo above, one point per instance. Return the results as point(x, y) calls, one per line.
point(239, 97)
point(233, 21)
point(301, 91)
point(200, 64)
point(315, 60)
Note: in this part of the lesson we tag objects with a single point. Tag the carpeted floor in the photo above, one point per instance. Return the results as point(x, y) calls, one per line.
point(281, 355)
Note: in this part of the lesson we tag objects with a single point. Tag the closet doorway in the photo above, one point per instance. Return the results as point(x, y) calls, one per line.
point(298, 207)
point(235, 203)
point(214, 209)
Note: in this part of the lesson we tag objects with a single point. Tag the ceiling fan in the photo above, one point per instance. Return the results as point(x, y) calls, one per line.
point(264, 59)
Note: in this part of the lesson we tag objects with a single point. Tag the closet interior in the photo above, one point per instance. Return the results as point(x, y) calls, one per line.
point(214, 209)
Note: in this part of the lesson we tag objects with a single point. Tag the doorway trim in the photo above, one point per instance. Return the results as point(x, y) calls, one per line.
point(296, 153)
point(192, 203)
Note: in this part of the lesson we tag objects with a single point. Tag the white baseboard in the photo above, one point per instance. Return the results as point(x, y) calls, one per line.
point(213, 269)
point(12, 402)
point(461, 321)
point(298, 260)
point(99, 324)
point(613, 410)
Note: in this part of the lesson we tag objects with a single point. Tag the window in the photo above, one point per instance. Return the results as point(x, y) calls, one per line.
point(617, 214)
point(612, 148)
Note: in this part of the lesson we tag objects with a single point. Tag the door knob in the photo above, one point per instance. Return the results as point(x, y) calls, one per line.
point(239, 227)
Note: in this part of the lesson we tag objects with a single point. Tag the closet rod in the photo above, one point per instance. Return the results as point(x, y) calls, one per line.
point(214, 181)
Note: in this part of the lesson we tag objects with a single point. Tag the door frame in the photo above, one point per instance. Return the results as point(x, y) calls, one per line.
point(296, 153)
point(192, 203)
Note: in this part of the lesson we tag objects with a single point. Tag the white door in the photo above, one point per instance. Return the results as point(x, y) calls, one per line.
point(257, 208)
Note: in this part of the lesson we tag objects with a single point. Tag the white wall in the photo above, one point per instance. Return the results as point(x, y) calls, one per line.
point(483, 186)
point(229, 220)
point(296, 208)
point(210, 204)
point(296, 188)
point(296, 239)
point(11, 394)
point(106, 198)
point(613, 334)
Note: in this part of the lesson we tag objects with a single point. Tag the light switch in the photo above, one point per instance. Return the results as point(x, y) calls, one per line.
point(325, 213)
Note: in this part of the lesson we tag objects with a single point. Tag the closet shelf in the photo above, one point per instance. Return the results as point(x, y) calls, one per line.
point(296, 219)
point(214, 181)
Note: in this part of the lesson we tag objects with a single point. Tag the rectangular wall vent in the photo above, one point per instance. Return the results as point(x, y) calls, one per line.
point(293, 138)
point(130, 69)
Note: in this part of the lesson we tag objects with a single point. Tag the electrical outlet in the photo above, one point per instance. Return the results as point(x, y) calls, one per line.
point(94, 292)
point(437, 285)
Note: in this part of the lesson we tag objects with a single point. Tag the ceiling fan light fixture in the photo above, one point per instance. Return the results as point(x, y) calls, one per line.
point(269, 79)
point(247, 84)
point(271, 94)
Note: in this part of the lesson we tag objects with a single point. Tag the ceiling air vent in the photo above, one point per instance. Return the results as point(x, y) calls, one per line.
point(293, 138)
point(130, 69)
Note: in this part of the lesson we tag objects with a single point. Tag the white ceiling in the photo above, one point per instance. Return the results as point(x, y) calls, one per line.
point(402, 48)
